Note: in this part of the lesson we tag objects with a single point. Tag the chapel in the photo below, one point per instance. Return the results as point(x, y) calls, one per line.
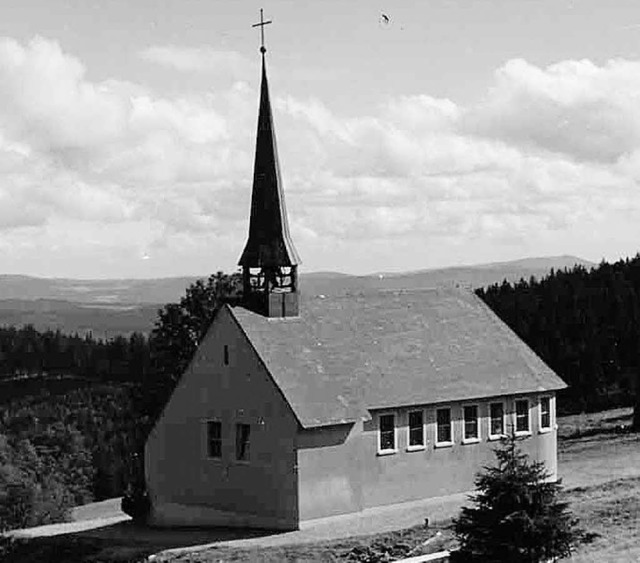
point(296, 407)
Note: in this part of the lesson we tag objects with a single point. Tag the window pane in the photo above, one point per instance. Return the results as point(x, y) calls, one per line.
point(522, 416)
point(416, 429)
point(242, 441)
point(471, 422)
point(497, 419)
point(387, 422)
point(387, 432)
point(215, 430)
point(443, 417)
point(214, 439)
point(545, 412)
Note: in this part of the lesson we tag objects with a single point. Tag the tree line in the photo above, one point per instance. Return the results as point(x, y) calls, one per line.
point(26, 352)
point(585, 324)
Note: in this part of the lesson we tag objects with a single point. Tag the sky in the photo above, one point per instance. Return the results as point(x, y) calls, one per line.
point(456, 132)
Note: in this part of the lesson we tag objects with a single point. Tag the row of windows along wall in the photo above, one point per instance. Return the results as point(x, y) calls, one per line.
point(416, 429)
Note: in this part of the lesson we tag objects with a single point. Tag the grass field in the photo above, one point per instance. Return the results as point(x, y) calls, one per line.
point(614, 421)
point(603, 444)
point(598, 456)
point(611, 512)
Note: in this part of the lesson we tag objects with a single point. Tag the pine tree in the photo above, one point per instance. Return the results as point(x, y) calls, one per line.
point(516, 514)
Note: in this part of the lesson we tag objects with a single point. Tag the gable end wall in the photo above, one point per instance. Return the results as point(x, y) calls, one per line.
point(187, 487)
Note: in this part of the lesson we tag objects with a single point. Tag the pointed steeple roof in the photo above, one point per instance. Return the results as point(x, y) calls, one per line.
point(269, 243)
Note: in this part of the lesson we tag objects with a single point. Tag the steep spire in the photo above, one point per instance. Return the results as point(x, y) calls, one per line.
point(269, 260)
point(269, 242)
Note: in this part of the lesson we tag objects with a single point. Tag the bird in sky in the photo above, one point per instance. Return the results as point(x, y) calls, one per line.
point(385, 19)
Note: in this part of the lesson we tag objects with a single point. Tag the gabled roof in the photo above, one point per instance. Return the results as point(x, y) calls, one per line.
point(269, 242)
point(347, 355)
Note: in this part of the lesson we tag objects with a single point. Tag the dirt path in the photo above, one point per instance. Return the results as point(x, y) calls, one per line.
point(104, 509)
point(69, 527)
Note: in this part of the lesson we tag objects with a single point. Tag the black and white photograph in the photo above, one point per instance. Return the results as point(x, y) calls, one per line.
point(319, 281)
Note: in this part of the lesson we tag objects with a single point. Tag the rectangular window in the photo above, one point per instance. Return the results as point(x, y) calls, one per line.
point(522, 416)
point(545, 413)
point(214, 439)
point(416, 429)
point(242, 442)
point(225, 354)
point(496, 424)
point(387, 432)
point(470, 414)
point(443, 423)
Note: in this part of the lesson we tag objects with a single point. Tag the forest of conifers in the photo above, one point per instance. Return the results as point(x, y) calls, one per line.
point(585, 324)
point(74, 410)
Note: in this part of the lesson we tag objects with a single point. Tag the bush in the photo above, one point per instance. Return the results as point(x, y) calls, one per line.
point(17, 499)
point(517, 515)
point(136, 503)
point(29, 495)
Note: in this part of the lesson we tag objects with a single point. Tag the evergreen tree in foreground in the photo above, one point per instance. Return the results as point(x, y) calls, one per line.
point(516, 513)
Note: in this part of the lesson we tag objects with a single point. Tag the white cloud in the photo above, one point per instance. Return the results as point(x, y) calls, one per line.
point(47, 103)
point(104, 151)
point(549, 152)
point(572, 107)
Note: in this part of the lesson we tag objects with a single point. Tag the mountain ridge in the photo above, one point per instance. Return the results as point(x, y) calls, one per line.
point(136, 291)
point(106, 308)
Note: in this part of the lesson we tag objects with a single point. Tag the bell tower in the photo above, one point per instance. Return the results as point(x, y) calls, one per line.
point(269, 261)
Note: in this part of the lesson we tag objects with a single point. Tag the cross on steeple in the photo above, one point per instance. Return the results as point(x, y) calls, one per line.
point(261, 25)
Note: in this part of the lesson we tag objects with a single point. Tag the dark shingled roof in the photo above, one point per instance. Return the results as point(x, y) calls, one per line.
point(346, 355)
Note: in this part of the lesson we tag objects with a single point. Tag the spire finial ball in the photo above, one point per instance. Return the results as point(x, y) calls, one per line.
point(263, 49)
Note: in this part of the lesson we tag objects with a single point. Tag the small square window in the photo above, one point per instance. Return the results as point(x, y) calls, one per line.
point(214, 439)
point(387, 432)
point(522, 416)
point(470, 414)
point(443, 423)
point(243, 432)
point(496, 424)
point(416, 429)
point(545, 413)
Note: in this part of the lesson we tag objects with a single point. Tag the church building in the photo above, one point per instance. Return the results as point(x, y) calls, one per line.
point(296, 407)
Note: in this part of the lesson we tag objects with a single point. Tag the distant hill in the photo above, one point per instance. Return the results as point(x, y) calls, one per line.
point(167, 290)
point(117, 291)
point(473, 276)
point(101, 321)
point(110, 307)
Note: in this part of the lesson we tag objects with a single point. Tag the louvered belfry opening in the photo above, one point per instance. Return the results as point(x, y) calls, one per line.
point(271, 291)
point(269, 261)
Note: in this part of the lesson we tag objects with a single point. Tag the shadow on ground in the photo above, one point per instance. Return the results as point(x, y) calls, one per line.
point(116, 543)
